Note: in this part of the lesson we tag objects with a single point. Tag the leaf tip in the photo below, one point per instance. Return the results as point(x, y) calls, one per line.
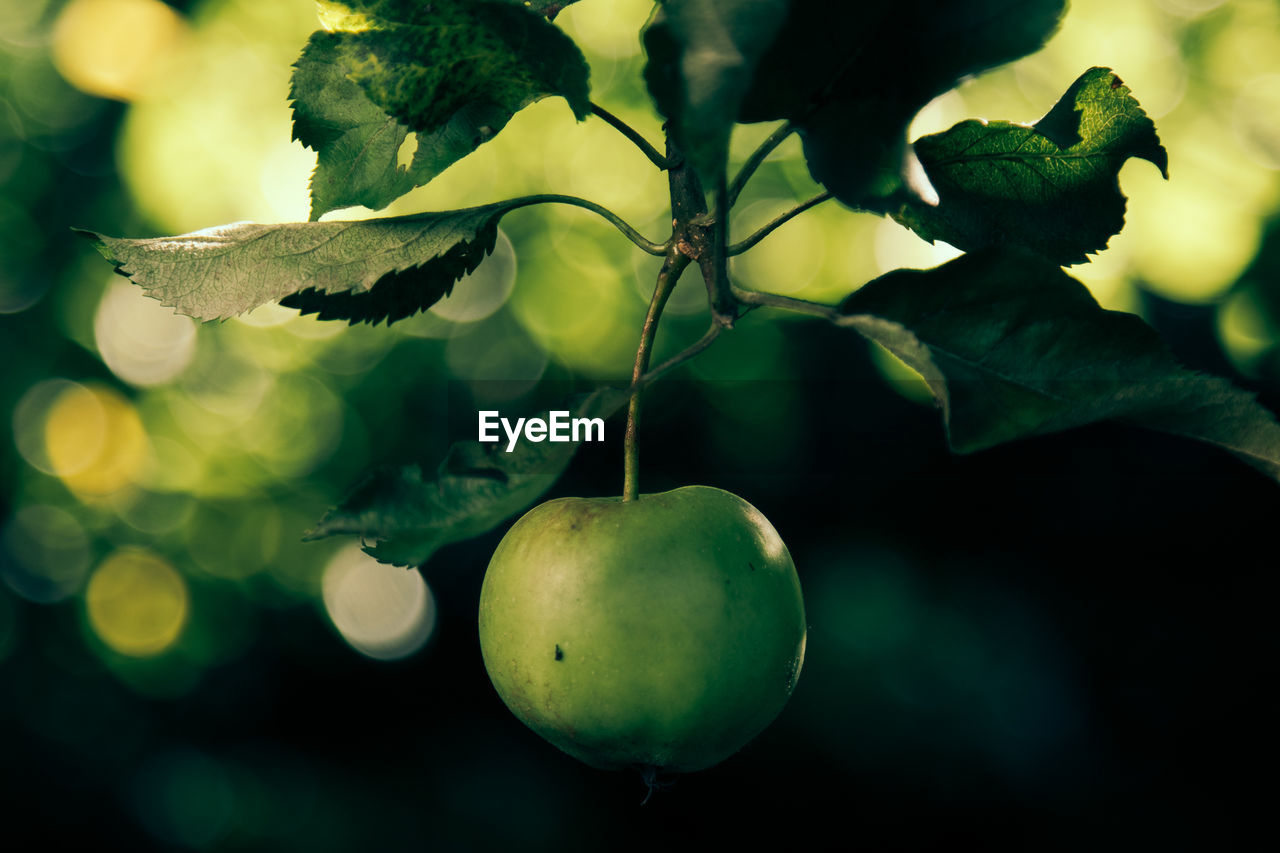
point(378, 552)
point(99, 242)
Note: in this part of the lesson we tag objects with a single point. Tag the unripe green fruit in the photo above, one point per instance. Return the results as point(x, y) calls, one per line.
point(661, 633)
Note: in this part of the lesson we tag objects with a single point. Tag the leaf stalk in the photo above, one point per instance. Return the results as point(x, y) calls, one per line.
point(632, 134)
point(757, 157)
point(681, 357)
point(600, 210)
point(755, 298)
point(744, 245)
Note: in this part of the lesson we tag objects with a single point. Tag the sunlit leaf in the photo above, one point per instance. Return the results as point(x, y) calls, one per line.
point(372, 270)
point(358, 145)
point(1051, 187)
point(701, 57)
point(476, 488)
point(1012, 346)
point(452, 71)
point(852, 75)
point(361, 14)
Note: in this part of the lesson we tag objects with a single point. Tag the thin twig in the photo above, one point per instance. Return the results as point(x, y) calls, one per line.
point(654, 155)
point(787, 303)
point(681, 357)
point(739, 248)
point(617, 221)
point(757, 157)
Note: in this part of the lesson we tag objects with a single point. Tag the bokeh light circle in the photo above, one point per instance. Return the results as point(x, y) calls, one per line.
point(94, 440)
point(1256, 120)
point(46, 554)
point(29, 417)
point(137, 603)
point(790, 258)
point(481, 293)
point(142, 341)
point(383, 612)
point(115, 48)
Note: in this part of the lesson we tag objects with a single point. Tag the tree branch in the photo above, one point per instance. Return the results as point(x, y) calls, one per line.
point(713, 259)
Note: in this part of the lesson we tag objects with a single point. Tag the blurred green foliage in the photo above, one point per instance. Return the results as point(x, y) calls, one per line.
point(157, 475)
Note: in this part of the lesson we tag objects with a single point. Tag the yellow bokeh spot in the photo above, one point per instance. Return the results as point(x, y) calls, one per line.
point(211, 140)
point(137, 603)
point(597, 162)
point(606, 29)
point(115, 48)
point(1193, 238)
point(94, 440)
point(897, 247)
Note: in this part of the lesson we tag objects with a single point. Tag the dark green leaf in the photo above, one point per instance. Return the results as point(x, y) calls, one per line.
point(701, 56)
point(476, 488)
point(376, 269)
point(1051, 187)
point(852, 75)
point(452, 71)
point(444, 55)
point(1260, 281)
point(358, 144)
point(546, 8)
point(359, 14)
point(1012, 346)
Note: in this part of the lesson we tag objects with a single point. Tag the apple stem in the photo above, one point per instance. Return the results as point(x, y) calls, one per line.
point(696, 235)
point(672, 266)
point(650, 775)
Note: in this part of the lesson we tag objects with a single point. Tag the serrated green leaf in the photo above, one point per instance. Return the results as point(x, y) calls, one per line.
point(1012, 346)
point(852, 75)
point(372, 270)
point(353, 15)
point(701, 55)
point(476, 488)
point(453, 72)
point(358, 145)
point(1051, 187)
point(547, 8)
point(442, 56)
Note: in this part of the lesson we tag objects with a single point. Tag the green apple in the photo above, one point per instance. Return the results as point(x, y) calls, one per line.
point(661, 633)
